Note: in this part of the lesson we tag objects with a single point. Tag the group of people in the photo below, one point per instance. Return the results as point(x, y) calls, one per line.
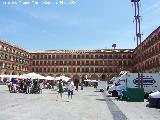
point(29, 86)
point(70, 88)
point(25, 86)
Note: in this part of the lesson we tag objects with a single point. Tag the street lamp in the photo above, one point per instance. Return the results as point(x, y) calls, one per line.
point(114, 47)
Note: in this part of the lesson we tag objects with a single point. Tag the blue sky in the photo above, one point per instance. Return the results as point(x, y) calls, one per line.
point(87, 24)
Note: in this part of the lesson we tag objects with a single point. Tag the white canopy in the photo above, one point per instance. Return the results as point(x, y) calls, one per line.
point(88, 80)
point(32, 75)
point(64, 78)
point(9, 76)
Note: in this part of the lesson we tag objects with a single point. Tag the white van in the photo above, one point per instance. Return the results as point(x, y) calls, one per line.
point(151, 82)
point(102, 85)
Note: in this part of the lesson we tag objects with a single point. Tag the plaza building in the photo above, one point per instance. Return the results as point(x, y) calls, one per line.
point(146, 56)
point(86, 64)
point(13, 60)
point(100, 64)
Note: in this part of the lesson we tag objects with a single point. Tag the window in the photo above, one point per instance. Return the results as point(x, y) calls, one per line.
point(78, 62)
point(87, 62)
point(61, 62)
point(48, 70)
point(37, 62)
point(40, 69)
point(96, 70)
point(109, 62)
point(101, 70)
point(53, 56)
point(33, 70)
point(110, 56)
point(105, 56)
point(124, 56)
point(61, 69)
point(120, 63)
point(78, 69)
point(87, 56)
point(129, 56)
point(57, 56)
point(87, 70)
point(96, 56)
point(37, 56)
point(96, 62)
point(74, 62)
point(110, 70)
point(78, 56)
point(74, 56)
point(101, 56)
point(41, 63)
point(49, 56)
point(45, 57)
point(124, 63)
point(92, 70)
point(33, 63)
point(44, 69)
point(41, 56)
point(65, 69)
point(49, 63)
point(34, 57)
point(92, 63)
point(74, 70)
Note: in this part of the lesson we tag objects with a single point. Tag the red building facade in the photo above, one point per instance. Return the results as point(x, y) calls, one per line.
point(93, 64)
point(13, 60)
point(149, 59)
point(100, 64)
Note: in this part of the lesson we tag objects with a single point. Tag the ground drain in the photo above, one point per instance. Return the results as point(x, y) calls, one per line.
point(115, 111)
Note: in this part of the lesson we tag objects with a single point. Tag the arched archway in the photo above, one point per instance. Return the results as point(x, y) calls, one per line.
point(68, 75)
point(103, 77)
point(58, 75)
point(6, 73)
point(14, 73)
point(94, 77)
point(76, 77)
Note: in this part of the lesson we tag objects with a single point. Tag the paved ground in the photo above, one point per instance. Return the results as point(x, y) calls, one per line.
point(136, 110)
point(86, 105)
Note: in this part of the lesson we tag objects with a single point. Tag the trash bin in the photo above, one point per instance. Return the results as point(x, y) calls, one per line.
point(135, 94)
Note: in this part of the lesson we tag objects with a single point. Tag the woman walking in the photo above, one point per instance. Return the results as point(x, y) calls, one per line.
point(70, 88)
point(60, 89)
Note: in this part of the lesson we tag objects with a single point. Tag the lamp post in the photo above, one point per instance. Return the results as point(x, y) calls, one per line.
point(114, 47)
point(138, 37)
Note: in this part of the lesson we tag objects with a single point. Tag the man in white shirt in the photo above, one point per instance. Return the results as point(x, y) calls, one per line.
point(70, 88)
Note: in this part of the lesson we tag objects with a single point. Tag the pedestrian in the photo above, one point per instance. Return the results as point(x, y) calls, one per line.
point(70, 88)
point(60, 89)
point(81, 86)
point(76, 84)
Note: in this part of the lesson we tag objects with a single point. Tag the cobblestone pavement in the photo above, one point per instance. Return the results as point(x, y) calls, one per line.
point(86, 105)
